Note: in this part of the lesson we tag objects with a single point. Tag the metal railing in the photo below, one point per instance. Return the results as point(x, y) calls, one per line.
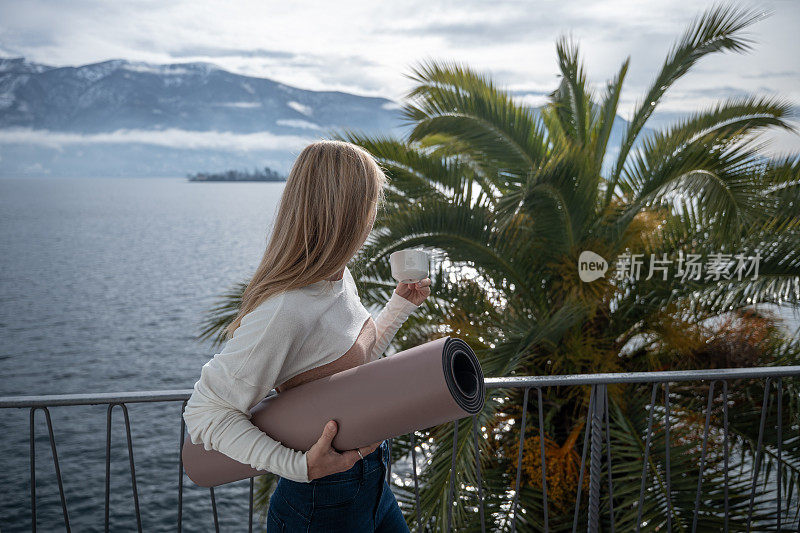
point(597, 430)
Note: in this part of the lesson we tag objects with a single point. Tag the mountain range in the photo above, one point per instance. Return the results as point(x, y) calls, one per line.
point(131, 118)
point(126, 118)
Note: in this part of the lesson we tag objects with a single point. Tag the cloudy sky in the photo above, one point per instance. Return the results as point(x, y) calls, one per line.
point(369, 48)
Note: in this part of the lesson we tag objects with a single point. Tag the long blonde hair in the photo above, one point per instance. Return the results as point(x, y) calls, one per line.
point(325, 215)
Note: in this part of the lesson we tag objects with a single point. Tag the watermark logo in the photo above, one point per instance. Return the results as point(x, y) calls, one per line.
point(695, 267)
point(591, 266)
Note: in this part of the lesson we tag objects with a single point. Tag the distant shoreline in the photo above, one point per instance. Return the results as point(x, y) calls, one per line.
point(236, 180)
point(265, 174)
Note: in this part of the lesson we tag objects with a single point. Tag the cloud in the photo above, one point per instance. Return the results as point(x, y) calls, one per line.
point(367, 48)
point(212, 51)
point(172, 138)
point(240, 105)
point(532, 99)
point(774, 74)
point(293, 123)
point(515, 26)
point(300, 108)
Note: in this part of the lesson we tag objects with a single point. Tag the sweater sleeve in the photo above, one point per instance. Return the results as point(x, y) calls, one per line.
point(389, 320)
point(235, 380)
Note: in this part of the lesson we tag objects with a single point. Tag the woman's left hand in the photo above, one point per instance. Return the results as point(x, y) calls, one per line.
point(415, 292)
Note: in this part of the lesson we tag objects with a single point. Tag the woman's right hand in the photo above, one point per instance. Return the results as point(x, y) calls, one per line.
point(322, 460)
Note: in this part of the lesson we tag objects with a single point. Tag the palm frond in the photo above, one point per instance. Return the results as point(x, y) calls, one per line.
point(572, 100)
point(718, 29)
point(606, 118)
point(505, 139)
point(221, 315)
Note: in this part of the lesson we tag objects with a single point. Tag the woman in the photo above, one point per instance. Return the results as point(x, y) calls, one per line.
point(301, 319)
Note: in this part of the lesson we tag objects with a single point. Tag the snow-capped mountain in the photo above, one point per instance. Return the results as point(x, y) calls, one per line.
point(128, 118)
point(123, 117)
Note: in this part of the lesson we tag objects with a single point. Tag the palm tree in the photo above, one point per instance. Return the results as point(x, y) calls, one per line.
point(510, 196)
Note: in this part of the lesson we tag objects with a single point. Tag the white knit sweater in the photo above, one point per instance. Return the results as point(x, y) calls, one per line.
point(284, 336)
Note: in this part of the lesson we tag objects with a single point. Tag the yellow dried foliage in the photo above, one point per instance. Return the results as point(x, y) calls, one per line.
point(562, 462)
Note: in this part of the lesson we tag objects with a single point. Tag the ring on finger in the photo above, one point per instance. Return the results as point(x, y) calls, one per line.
point(359, 454)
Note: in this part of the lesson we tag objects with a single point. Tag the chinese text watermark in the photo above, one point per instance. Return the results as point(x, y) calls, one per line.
point(694, 267)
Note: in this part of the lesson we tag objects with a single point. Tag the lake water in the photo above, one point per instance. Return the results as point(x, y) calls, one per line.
point(104, 285)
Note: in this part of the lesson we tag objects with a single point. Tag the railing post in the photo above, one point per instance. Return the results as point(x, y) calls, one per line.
point(180, 469)
point(416, 480)
point(667, 455)
point(389, 466)
point(214, 509)
point(250, 506)
point(519, 460)
point(649, 435)
point(608, 461)
point(544, 462)
point(586, 431)
point(55, 465)
point(134, 488)
point(478, 471)
point(595, 456)
point(451, 493)
point(759, 450)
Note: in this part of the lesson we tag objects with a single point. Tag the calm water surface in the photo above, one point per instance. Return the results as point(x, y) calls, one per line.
point(104, 285)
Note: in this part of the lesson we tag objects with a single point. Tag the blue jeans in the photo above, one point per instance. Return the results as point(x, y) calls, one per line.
point(353, 501)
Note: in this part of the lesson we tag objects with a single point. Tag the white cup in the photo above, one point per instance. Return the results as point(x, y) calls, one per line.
point(409, 266)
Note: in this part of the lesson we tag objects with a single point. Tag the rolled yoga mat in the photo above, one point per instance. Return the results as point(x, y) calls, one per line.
point(430, 384)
